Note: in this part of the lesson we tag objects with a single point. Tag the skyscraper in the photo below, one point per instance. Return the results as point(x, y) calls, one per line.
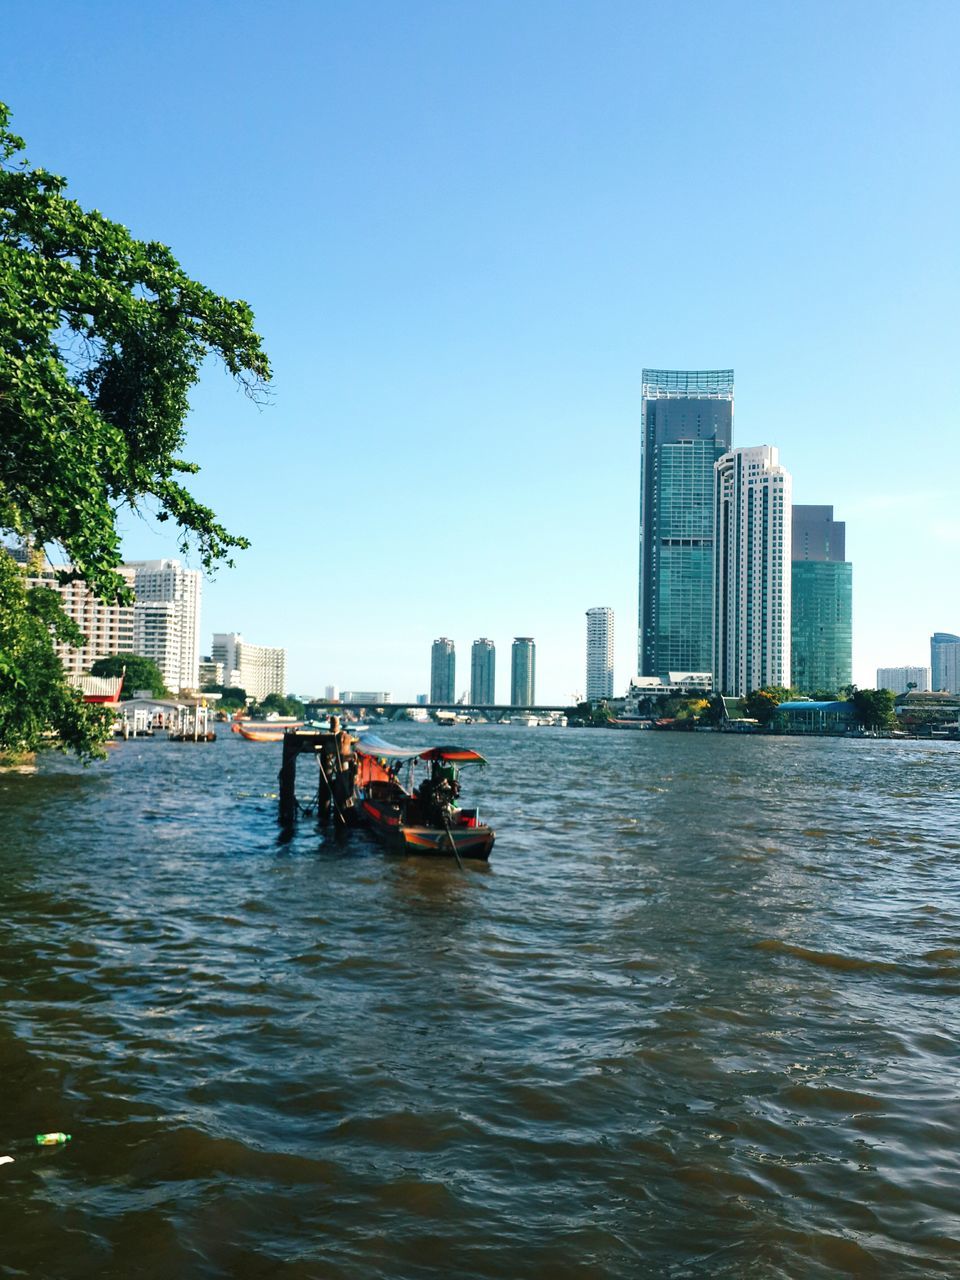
point(257, 669)
point(523, 672)
point(945, 662)
point(483, 673)
point(821, 628)
point(599, 653)
point(443, 670)
point(903, 679)
point(751, 646)
point(687, 424)
point(172, 635)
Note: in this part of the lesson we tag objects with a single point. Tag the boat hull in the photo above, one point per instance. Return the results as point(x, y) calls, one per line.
point(384, 821)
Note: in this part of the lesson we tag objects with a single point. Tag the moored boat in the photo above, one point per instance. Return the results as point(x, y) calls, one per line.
point(425, 820)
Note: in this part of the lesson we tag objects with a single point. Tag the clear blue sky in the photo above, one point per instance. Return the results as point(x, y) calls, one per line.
point(465, 228)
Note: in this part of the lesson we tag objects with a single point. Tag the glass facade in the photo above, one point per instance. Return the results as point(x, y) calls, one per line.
point(822, 626)
point(945, 662)
point(483, 673)
point(822, 596)
point(523, 672)
point(443, 667)
point(687, 426)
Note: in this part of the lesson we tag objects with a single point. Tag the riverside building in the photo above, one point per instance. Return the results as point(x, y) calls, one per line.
point(443, 671)
point(523, 672)
point(599, 653)
point(945, 662)
point(821, 595)
point(686, 426)
point(904, 679)
point(108, 628)
point(170, 635)
point(257, 669)
point(751, 627)
point(483, 673)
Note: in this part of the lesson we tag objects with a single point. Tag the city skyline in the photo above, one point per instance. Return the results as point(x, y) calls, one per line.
point(388, 263)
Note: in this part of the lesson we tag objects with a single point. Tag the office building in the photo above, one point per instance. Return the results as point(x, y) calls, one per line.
point(523, 672)
point(257, 669)
point(443, 670)
point(821, 627)
point(752, 565)
point(483, 673)
point(599, 653)
point(687, 425)
point(365, 697)
point(210, 672)
point(945, 662)
point(170, 636)
point(904, 679)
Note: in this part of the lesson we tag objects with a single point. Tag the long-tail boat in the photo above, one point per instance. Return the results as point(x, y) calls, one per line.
point(424, 820)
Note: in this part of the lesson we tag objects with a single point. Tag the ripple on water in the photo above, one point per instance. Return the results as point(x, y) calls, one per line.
point(697, 1018)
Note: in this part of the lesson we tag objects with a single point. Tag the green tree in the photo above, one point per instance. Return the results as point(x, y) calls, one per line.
point(873, 708)
point(102, 336)
point(761, 704)
point(137, 672)
point(38, 705)
point(276, 702)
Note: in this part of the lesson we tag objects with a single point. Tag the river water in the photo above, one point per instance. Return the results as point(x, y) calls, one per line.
point(697, 1018)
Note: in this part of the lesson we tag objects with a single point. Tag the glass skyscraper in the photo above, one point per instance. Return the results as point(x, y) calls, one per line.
point(687, 425)
point(523, 672)
point(822, 603)
point(483, 673)
point(443, 666)
point(945, 662)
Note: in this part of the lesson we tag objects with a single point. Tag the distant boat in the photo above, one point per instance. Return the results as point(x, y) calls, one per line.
point(265, 730)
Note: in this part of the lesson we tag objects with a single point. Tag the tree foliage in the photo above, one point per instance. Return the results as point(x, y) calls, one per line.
point(137, 672)
point(38, 705)
point(276, 702)
point(761, 704)
point(873, 708)
point(101, 338)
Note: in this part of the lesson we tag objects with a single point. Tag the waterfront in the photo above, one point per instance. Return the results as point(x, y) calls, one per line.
point(697, 1018)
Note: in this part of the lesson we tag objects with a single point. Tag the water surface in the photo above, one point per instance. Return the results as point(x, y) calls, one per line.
point(697, 1018)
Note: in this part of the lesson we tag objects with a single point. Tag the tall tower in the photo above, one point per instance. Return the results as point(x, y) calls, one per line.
point(483, 673)
point(687, 424)
point(443, 670)
point(599, 653)
point(751, 626)
point(945, 662)
point(523, 672)
point(174, 633)
point(821, 628)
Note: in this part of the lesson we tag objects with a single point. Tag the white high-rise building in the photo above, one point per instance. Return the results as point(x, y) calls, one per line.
point(109, 628)
point(255, 668)
point(170, 636)
point(896, 679)
point(599, 653)
point(752, 571)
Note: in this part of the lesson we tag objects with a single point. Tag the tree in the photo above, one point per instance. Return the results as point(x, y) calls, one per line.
point(873, 708)
point(137, 672)
point(36, 699)
point(102, 337)
point(761, 704)
point(276, 702)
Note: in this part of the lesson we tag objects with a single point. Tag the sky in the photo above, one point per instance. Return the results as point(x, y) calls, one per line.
point(465, 229)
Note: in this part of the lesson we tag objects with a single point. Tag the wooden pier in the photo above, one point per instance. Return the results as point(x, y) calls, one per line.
point(336, 773)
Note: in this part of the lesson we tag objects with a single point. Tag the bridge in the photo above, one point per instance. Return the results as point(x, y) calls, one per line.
point(494, 712)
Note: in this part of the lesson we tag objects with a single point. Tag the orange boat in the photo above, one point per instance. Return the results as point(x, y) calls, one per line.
point(427, 820)
point(266, 730)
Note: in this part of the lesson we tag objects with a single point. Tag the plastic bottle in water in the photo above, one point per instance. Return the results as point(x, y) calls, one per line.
point(52, 1139)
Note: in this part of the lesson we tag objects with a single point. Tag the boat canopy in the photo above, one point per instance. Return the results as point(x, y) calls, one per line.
point(372, 745)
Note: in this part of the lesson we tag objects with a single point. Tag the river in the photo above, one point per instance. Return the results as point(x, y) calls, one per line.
point(697, 1018)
